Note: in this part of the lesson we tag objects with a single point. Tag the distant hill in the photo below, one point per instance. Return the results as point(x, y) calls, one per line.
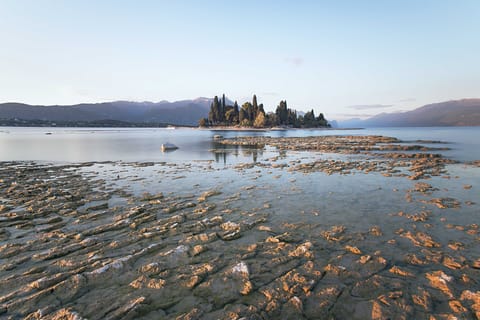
point(185, 112)
point(464, 112)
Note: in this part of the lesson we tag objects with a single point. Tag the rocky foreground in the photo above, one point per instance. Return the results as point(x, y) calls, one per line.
point(168, 241)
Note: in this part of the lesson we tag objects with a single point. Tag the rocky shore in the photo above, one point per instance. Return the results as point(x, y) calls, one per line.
point(260, 240)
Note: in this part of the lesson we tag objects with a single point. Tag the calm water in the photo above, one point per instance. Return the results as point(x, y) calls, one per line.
point(127, 144)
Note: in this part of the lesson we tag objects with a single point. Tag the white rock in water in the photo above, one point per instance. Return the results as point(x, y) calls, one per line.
point(229, 225)
point(241, 269)
point(117, 264)
point(168, 146)
point(181, 249)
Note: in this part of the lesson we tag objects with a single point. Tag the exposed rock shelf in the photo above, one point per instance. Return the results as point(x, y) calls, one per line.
point(76, 244)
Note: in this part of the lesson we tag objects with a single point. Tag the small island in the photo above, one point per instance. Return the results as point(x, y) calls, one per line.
point(253, 115)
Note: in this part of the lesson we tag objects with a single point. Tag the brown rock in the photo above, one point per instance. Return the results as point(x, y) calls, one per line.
point(145, 282)
point(302, 250)
point(364, 259)
point(422, 299)
point(450, 263)
point(353, 249)
point(474, 297)
point(476, 264)
point(439, 280)
point(376, 231)
point(208, 194)
point(456, 306)
point(246, 287)
point(396, 270)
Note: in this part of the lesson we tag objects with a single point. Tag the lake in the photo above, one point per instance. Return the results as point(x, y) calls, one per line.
point(140, 144)
point(102, 224)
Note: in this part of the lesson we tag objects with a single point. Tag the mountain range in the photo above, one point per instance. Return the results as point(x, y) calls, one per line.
point(184, 112)
point(465, 112)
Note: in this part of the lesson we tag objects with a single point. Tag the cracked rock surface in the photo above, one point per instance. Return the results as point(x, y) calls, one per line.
point(377, 230)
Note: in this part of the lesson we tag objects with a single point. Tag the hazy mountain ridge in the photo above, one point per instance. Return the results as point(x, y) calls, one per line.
point(465, 112)
point(184, 112)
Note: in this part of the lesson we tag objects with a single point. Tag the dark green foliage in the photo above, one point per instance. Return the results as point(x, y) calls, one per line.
point(236, 112)
point(282, 113)
point(253, 114)
point(242, 115)
point(223, 109)
point(310, 121)
point(214, 114)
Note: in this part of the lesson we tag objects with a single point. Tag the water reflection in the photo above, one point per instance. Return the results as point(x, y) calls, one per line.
point(223, 152)
point(143, 144)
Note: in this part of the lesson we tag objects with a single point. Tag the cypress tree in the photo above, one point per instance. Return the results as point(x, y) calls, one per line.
point(236, 111)
point(223, 109)
point(254, 107)
point(216, 110)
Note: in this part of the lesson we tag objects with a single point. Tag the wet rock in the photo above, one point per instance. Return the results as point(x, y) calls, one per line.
point(334, 234)
point(45, 282)
point(152, 197)
point(473, 298)
point(451, 263)
point(319, 303)
point(391, 306)
point(179, 206)
point(422, 299)
point(396, 270)
point(376, 231)
point(439, 280)
point(97, 207)
point(444, 203)
point(197, 249)
point(230, 235)
point(145, 282)
point(131, 310)
point(420, 239)
point(4, 234)
point(108, 270)
point(193, 314)
point(230, 226)
point(353, 249)
point(302, 250)
point(293, 309)
point(208, 194)
point(456, 306)
point(240, 271)
point(424, 188)
point(364, 259)
point(62, 314)
point(476, 264)
point(231, 231)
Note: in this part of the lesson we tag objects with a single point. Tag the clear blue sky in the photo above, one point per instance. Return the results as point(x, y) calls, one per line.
point(343, 58)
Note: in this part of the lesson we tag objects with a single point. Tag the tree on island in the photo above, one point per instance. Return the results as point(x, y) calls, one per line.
point(252, 114)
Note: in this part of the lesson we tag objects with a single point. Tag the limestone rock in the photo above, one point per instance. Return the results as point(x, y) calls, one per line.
point(439, 280)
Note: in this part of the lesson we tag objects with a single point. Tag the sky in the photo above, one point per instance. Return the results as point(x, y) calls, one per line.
point(343, 58)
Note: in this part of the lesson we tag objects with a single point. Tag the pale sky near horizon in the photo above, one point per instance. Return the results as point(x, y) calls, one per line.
point(342, 58)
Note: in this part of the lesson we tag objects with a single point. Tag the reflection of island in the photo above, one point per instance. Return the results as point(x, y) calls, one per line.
point(222, 151)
